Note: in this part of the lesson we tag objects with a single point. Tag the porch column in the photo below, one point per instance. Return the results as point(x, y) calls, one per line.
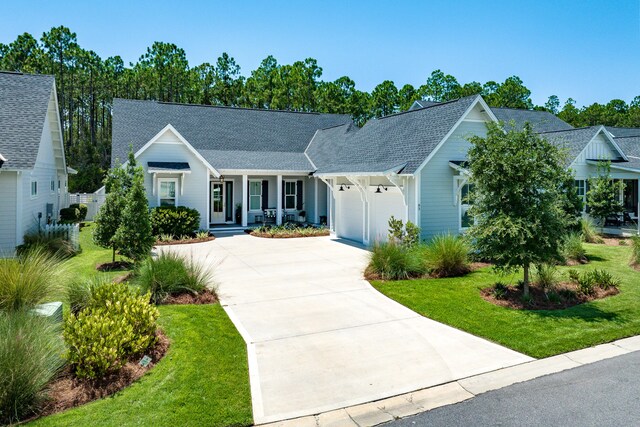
point(245, 199)
point(279, 200)
point(208, 198)
point(316, 210)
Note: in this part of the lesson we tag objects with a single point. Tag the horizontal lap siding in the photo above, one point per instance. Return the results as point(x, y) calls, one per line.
point(7, 212)
point(438, 212)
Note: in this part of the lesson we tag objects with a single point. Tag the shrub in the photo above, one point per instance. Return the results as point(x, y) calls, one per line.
point(117, 324)
point(171, 274)
point(635, 250)
point(29, 280)
point(407, 235)
point(174, 220)
point(572, 248)
point(588, 230)
point(547, 276)
point(54, 245)
point(70, 214)
point(82, 210)
point(134, 235)
point(589, 280)
point(391, 261)
point(80, 292)
point(30, 356)
point(202, 234)
point(447, 255)
point(500, 290)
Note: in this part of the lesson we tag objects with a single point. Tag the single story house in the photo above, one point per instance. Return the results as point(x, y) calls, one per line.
point(279, 165)
point(33, 174)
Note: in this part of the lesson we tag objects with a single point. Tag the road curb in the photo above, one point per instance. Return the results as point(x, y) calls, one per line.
point(404, 405)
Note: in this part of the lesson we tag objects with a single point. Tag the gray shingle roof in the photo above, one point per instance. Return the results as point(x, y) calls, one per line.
point(403, 139)
point(630, 145)
point(24, 99)
point(422, 103)
point(541, 121)
point(623, 132)
point(231, 138)
point(573, 140)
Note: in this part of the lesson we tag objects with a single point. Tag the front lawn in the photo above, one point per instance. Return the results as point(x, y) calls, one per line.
point(457, 302)
point(202, 380)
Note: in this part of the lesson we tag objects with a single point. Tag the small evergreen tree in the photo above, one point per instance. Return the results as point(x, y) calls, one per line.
point(519, 202)
point(603, 195)
point(134, 235)
point(109, 216)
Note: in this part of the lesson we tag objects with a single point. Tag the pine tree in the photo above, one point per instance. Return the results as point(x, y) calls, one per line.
point(134, 236)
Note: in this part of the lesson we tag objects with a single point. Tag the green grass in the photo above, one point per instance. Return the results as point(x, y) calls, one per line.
point(457, 302)
point(202, 380)
point(84, 264)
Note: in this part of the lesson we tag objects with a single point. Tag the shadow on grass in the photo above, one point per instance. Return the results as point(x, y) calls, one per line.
point(592, 257)
point(585, 312)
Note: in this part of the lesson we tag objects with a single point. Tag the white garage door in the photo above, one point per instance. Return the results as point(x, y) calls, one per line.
point(349, 214)
point(383, 206)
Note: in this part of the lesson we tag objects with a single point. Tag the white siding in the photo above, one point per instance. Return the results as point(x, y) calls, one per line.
point(349, 218)
point(44, 171)
point(598, 149)
point(438, 212)
point(7, 212)
point(382, 206)
point(195, 188)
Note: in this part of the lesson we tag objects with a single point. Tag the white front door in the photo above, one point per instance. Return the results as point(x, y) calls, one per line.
point(217, 203)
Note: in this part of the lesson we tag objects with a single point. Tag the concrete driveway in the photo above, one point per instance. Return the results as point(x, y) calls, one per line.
point(319, 337)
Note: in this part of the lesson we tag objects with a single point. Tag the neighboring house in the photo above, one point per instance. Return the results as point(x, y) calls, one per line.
point(33, 176)
point(411, 165)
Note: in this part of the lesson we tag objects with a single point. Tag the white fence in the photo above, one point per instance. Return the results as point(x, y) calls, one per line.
point(92, 200)
point(70, 232)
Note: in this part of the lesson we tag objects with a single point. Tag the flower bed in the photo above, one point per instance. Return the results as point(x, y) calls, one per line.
point(289, 230)
point(184, 240)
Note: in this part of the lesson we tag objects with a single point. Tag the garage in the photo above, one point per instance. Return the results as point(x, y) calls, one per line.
point(349, 218)
point(382, 206)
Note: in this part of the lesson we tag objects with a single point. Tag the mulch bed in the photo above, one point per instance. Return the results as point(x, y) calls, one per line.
point(124, 278)
point(288, 235)
point(206, 297)
point(609, 240)
point(68, 391)
point(185, 241)
point(567, 293)
point(115, 266)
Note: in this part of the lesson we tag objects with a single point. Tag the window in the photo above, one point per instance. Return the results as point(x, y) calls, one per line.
point(34, 188)
point(290, 195)
point(167, 195)
point(466, 201)
point(52, 186)
point(581, 190)
point(255, 195)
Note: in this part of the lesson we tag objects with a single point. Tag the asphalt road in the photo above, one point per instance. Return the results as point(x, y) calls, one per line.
point(605, 393)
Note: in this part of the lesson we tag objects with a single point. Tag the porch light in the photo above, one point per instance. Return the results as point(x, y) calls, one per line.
point(378, 189)
point(221, 178)
point(342, 187)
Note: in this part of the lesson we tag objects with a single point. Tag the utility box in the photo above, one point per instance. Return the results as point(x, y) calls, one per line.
point(51, 310)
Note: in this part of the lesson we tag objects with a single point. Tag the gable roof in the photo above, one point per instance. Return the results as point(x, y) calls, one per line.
point(541, 121)
point(630, 145)
point(399, 142)
point(420, 103)
point(24, 99)
point(575, 140)
point(229, 138)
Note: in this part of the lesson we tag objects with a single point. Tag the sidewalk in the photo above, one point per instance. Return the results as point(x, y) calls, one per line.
point(385, 410)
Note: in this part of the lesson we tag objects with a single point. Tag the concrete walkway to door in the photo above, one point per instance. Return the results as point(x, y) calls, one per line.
point(319, 337)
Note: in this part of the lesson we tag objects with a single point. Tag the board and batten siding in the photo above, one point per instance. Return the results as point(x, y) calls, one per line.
point(438, 211)
point(8, 188)
point(194, 194)
point(598, 149)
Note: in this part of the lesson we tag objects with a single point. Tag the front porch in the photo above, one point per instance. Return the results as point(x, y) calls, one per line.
point(240, 201)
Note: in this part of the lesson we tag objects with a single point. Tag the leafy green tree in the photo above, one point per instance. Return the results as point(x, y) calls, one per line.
point(406, 96)
point(553, 104)
point(518, 198)
point(134, 235)
point(603, 197)
point(570, 113)
point(227, 81)
point(109, 217)
point(440, 87)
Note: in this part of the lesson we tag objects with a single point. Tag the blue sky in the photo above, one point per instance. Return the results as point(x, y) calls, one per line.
point(589, 50)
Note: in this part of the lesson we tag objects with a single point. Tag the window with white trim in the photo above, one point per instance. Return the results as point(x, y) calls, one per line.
point(290, 195)
point(167, 192)
point(255, 195)
point(465, 203)
point(52, 186)
point(34, 188)
point(581, 191)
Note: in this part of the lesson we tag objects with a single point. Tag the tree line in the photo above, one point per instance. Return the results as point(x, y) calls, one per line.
point(87, 84)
